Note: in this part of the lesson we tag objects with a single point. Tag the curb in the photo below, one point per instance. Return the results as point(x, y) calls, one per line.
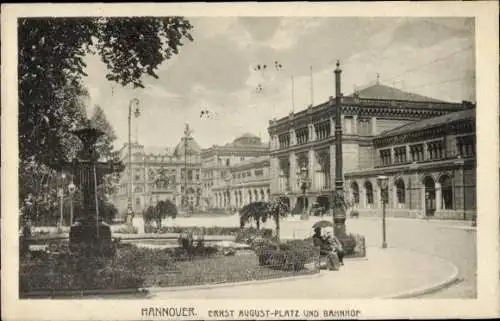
point(80, 293)
point(153, 290)
point(426, 289)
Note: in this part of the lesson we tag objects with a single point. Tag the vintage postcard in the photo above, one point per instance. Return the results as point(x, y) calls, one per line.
point(250, 161)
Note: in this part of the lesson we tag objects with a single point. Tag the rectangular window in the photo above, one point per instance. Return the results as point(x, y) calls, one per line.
point(385, 157)
point(364, 127)
point(417, 152)
point(436, 150)
point(400, 155)
point(348, 125)
point(322, 130)
point(284, 140)
point(302, 135)
point(466, 146)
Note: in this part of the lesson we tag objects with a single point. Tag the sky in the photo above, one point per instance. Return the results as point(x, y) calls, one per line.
point(217, 72)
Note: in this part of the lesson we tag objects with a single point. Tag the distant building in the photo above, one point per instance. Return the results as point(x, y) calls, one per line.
point(173, 174)
point(219, 164)
point(160, 174)
point(245, 182)
point(425, 146)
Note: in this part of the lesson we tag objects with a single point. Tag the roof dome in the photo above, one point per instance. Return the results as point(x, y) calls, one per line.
point(190, 148)
point(247, 139)
point(248, 135)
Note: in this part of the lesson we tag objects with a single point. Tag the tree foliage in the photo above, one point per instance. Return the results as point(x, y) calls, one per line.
point(51, 59)
point(52, 98)
point(260, 212)
point(256, 211)
point(105, 149)
point(160, 211)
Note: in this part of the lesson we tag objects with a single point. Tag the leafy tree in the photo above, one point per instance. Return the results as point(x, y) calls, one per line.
point(277, 209)
point(51, 52)
point(261, 211)
point(255, 211)
point(164, 209)
point(105, 148)
point(148, 215)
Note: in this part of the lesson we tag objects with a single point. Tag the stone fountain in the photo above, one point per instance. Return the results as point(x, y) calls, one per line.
point(90, 235)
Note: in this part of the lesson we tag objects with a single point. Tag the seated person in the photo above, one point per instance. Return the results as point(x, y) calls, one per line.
point(326, 249)
point(337, 246)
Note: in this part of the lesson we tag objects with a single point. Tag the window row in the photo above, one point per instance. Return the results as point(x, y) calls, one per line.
point(434, 150)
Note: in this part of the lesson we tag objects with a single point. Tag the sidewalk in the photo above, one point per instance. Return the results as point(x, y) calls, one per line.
point(386, 273)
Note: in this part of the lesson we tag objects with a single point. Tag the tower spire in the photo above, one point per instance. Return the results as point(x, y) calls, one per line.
point(378, 78)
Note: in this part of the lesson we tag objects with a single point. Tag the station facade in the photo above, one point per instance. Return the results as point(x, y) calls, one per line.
point(426, 147)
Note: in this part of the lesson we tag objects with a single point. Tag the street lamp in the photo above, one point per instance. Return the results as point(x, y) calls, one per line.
point(71, 191)
point(383, 184)
point(134, 103)
point(305, 183)
point(60, 193)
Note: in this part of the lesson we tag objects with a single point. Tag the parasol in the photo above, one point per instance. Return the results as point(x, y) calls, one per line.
point(322, 224)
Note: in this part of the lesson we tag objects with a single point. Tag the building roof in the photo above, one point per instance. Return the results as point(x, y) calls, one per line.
point(189, 148)
point(431, 122)
point(252, 160)
point(156, 150)
point(248, 135)
point(383, 92)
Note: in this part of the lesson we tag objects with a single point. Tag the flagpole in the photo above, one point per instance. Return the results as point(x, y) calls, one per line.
point(293, 95)
point(312, 93)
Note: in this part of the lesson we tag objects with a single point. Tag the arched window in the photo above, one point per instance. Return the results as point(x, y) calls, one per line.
point(355, 192)
point(400, 191)
point(369, 192)
point(446, 192)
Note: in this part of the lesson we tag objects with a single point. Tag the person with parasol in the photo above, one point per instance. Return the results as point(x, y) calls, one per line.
point(329, 245)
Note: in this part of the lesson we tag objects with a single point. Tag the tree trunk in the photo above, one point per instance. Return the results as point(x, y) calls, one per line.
point(257, 222)
point(277, 221)
point(158, 222)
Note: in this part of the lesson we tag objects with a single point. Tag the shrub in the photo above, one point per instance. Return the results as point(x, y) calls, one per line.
point(192, 247)
point(66, 271)
point(354, 245)
point(127, 230)
point(247, 235)
point(288, 256)
point(288, 260)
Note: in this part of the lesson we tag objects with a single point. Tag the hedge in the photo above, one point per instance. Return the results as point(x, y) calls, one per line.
point(288, 256)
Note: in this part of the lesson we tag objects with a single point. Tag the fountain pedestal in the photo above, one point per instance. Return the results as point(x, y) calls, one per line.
point(90, 235)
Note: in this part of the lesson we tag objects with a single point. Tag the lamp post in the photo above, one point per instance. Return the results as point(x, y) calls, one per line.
point(383, 184)
point(133, 103)
point(60, 193)
point(304, 185)
point(339, 215)
point(413, 167)
point(71, 190)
